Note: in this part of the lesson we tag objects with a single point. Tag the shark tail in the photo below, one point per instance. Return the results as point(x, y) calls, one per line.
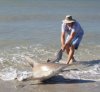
point(58, 57)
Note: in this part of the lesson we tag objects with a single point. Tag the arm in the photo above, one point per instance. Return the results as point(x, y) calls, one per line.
point(62, 39)
point(69, 40)
point(63, 35)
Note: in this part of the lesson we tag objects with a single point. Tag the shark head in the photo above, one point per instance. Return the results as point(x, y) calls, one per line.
point(44, 71)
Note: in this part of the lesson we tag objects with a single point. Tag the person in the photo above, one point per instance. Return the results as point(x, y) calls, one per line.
point(74, 32)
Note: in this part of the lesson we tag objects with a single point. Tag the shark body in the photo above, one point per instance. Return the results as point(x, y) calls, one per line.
point(44, 71)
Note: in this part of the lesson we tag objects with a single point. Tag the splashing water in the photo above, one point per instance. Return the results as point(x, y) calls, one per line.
point(92, 73)
point(13, 65)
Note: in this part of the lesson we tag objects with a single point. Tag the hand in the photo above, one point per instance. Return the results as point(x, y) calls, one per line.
point(63, 48)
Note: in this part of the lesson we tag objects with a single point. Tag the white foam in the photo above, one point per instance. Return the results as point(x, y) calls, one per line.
point(8, 74)
point(92, 73)
point(23, 75)
point(15, 57)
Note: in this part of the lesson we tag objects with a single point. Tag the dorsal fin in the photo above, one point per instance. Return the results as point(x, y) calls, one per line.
point(30, 61)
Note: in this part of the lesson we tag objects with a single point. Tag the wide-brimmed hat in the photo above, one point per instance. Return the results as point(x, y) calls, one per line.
point(68, 19)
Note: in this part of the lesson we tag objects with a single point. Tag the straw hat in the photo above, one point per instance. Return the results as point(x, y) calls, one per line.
point(68, 19)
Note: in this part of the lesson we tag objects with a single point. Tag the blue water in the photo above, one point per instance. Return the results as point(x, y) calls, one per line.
point(22, 19)
point(32, 27)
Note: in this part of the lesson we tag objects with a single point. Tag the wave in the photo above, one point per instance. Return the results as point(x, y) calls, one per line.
point(13, 65)
point(93, 73)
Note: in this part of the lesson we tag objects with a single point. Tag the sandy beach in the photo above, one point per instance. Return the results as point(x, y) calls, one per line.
point(60, 85)
point(79, 81)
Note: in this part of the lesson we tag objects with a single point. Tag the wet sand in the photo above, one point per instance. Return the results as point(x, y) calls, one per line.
point(55, 84)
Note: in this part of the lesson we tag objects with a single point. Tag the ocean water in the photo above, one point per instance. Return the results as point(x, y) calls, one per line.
point(32, 27)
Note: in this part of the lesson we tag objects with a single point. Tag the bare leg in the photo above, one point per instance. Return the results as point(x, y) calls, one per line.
point(67, 51)
point(70, 54)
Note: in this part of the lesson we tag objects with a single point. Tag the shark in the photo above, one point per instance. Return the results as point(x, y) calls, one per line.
point(44, 71)
point(57, 58)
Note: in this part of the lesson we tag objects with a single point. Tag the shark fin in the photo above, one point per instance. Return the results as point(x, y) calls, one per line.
point(30, 61)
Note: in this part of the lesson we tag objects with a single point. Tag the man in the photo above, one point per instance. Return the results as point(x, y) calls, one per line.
point(74, 36)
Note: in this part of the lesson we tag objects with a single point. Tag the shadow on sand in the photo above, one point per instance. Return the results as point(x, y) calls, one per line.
point(61, 80)
point(90, 63)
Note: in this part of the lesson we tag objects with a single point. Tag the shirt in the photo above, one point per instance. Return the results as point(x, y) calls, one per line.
point(76, 28)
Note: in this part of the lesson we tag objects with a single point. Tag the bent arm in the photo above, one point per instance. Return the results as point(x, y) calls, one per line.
point(63, 28)
point(72, 35)
point(62, 39)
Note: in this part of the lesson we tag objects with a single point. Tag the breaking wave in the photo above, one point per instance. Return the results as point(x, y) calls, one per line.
point(13, 65)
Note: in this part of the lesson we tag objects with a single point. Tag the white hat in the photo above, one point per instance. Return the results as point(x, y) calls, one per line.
point(68, 19)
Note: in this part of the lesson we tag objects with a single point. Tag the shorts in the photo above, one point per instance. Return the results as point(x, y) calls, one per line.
point(75, 41)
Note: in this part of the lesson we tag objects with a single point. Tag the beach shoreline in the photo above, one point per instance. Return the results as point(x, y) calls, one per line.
point(50, 86)
point(62, 82)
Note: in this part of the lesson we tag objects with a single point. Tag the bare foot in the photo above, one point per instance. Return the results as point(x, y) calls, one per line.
point(71, 61)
